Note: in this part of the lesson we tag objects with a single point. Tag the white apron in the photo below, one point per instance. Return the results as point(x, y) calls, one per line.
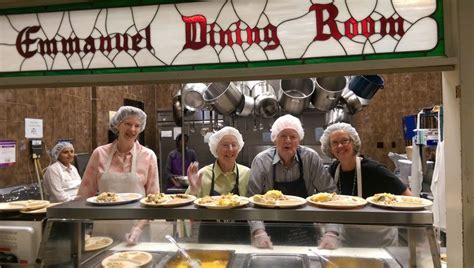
point(438, 183)
point(416, 177)
point(367, 235)
point(119, 182)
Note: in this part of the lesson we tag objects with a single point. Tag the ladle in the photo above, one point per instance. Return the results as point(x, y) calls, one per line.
point(193, 263)
point(323, 258)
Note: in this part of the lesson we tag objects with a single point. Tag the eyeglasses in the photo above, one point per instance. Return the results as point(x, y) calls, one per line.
point(335, 144)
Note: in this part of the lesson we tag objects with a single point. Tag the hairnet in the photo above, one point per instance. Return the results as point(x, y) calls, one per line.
point(351, 131)
point(216, 137)
point(124, 112)
point(287, 122)
point(58, 148)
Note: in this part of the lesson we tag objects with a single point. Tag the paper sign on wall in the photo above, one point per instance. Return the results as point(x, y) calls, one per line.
point(33, 128)
point(7, 153)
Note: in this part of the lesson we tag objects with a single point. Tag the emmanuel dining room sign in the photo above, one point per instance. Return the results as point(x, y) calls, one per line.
point(214, 32)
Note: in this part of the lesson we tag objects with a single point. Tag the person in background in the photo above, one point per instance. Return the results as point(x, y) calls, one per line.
point(123, 166)
point(341, 141)
point(294, 170)
point(61, 179)
point(223, 176)
point(174, 162)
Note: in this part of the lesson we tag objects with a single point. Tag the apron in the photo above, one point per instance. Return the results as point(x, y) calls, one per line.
point(224, 232)
point(365, 236)
point(416, 177)
point(438, 182)
point(120, 182)
point(292, 235)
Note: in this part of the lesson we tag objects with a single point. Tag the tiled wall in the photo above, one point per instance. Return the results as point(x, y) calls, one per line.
point(81, 114)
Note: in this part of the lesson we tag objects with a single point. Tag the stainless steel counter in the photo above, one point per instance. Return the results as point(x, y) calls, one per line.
point(80, 210)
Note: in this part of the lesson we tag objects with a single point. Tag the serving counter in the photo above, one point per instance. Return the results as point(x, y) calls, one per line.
point(71, 219)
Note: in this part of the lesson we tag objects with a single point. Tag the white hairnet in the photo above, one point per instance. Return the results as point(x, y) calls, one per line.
point(287, 122)
point(217, 136)
point(124, 112)
point(58, 148)
point(350, 130)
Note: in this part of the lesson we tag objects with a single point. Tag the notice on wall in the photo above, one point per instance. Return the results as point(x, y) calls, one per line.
point(7, 153)
point(33, 128)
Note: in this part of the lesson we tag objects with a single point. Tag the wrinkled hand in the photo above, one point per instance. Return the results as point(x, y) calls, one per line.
point(262, 240)
point(329, 241)
point(193, 177)
point(132, 237)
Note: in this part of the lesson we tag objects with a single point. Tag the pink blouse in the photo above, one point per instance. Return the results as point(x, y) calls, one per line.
point(147, 168)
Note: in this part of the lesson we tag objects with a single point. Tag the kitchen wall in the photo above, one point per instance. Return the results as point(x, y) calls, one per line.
point(81, 114)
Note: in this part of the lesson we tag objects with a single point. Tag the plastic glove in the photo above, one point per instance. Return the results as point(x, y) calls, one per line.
point(329, 240)
point(262, 240)
point(132, 237)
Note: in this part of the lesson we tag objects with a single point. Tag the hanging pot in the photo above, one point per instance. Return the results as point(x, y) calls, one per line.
point(178, 110)
point(328, 91)
point(247, 104)
point(295, 94)
point(266, 103)
point(351, 100)
point(340, 113)
point(365, 86)
point(193, 96)
point(224, 96)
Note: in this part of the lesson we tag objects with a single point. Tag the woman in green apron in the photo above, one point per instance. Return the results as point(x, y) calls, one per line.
point(223, 176)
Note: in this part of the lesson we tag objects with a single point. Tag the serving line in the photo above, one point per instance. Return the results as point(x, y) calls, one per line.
point(79, 210)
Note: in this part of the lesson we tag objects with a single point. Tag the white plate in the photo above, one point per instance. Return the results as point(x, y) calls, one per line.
point(403, 203)
point(340, 202)
point(213, 205)
point(97, 242)
point(127, 259)
point(291, 202)
point(123, 198)
point(23, 205)
point(172, 201)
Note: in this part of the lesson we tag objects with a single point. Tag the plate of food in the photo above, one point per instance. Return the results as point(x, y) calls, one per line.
point(97, 242)
point(333, 200)
point(25, 205)
point(276, 199)
point(167, 200)
point(398, 202)
point(39, 211)
point(222, 202)
point(111, 198)
point(127, 259)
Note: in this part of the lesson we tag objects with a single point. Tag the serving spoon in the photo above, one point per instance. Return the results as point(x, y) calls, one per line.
point(192, 263)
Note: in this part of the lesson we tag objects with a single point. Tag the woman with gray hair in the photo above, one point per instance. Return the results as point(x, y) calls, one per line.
point(123, 166)
point(223, 176)
point(61, 179)
point(359, 176)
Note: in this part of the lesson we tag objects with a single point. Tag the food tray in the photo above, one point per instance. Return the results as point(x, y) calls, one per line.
point(277, 260)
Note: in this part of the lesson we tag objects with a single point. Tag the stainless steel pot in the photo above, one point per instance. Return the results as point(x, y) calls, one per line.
point(224, 96)
point(351, 100)
point(193, 96)
point(266, 103)
point(178, 110)
point(328, 91)
point(340, 113)
point(295, 94)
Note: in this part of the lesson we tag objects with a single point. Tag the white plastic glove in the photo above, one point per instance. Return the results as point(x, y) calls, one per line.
point(329, 240)
point(132, 237)
point(262, 240)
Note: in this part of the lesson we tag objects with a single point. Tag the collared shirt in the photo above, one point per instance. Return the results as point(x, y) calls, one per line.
point(316, 177)
point(174, 163)
point(147, 168)
point(223, 182)
point(61, 183)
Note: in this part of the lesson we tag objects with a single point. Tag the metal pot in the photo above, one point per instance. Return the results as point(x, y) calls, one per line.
point(248, 103)
point(365, 86)
point(340, 113)
point(328, 91)
point(178, 110)
point(351, 100)
point(295, 94)
point(225, 97)
point(266, 103)
point(193, 96)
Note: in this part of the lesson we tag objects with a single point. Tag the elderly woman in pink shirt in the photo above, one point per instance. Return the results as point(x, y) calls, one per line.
point(124, 166)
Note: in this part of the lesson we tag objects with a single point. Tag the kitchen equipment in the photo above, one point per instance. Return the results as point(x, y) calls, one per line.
point(365, 86)
point(266, 103)
point(355, 262)
point(208, 258)
point(248, 103)
point(193, 263)
point(193, 96)
point(339, 113)
point(257, 260)
point(224, 96)
point(295, 94)
point(178, 110)
point(322, 257)
point(328, 91)
point(351, 100)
